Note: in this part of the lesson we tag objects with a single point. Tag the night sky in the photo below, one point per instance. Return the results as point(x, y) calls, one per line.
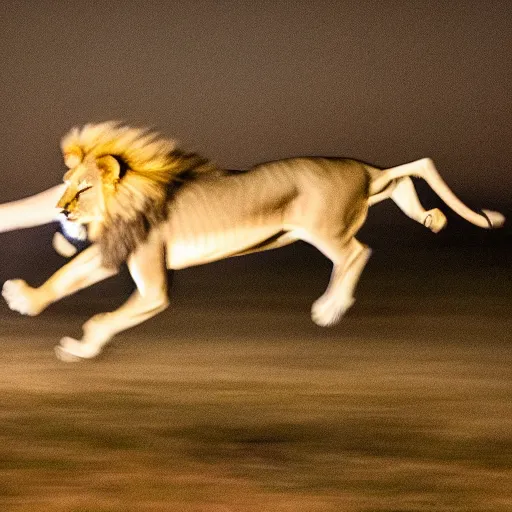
point(244, 82)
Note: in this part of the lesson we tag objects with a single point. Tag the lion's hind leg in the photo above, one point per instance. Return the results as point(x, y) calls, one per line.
point(349, 259)
point(405, 197)
point(339, 296)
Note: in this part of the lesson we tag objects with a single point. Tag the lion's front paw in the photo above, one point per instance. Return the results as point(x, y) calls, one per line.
point(71, 350)
point(62, 246)
point(22, 298)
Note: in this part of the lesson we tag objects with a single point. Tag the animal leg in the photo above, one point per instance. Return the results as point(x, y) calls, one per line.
point(100, 329)
point(426, 169)
point(349, 261)
point(62, 246)
point(405, 197)
point(83, 271)
point(147, 268)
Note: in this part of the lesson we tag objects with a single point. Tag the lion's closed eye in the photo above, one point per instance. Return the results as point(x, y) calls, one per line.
point(85, 189)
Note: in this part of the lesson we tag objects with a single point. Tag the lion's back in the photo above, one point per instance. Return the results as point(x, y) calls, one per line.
point(275, 190)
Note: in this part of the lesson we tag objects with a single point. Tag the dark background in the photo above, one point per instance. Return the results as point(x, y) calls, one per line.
point(244, 82)
point(233, 399)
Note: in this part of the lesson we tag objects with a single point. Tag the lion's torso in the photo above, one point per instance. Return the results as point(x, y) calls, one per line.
point(224, 215)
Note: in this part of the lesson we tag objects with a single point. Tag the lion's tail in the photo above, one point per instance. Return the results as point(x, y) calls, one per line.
point(425, 169)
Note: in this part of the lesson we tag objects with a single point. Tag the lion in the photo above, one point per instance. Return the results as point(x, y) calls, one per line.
point(145, 202)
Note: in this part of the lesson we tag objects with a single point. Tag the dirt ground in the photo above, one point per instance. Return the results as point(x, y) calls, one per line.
point(233, 400)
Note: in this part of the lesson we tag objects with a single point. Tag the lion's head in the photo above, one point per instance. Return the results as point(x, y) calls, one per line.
point(119, 182)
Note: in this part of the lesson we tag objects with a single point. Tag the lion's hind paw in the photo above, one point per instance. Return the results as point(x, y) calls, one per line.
point(328, 310)
point(435, 220)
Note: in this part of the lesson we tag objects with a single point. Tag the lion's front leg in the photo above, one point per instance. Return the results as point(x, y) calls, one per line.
point(84, 270)
point(100, 329)
point(147, 268)
point(97, 333)
point(23, 298)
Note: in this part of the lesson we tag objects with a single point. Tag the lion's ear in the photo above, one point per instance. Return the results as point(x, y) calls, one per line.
point(109, 168)
point(73, 157)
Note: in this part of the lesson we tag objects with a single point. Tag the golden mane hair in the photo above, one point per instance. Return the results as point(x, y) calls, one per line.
point(151, 168)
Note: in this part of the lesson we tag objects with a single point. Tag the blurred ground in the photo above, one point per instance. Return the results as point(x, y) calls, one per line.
point(233, 400)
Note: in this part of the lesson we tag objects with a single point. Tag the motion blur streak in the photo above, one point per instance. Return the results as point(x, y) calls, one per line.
point(234, 401)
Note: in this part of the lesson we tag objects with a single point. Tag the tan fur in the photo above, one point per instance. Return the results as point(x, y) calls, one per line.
point(120, 184)
point(134, 202)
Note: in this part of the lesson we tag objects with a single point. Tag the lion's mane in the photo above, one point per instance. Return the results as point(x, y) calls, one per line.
point(151, 170)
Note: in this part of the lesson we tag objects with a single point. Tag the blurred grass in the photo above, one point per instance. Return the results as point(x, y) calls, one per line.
point(233, 400)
